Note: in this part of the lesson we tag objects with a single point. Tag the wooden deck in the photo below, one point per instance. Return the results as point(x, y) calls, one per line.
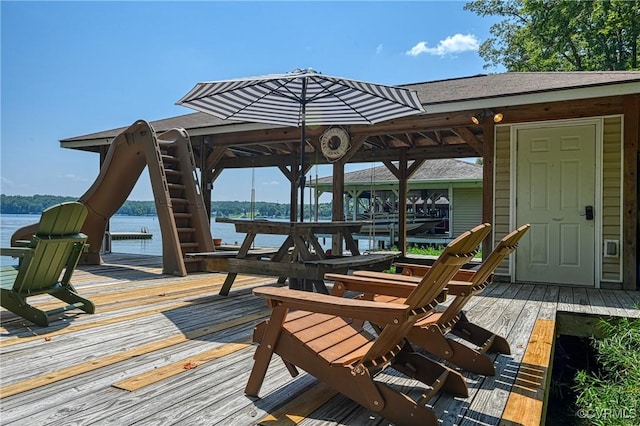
point(170, 350)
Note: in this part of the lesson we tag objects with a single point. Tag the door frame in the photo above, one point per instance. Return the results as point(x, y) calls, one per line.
point(513, 172)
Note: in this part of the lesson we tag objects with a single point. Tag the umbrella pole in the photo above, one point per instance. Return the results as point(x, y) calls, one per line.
point(302, 169)
point(303, 142)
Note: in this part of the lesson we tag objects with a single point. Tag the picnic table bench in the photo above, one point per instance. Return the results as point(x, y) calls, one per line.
point(300, 258)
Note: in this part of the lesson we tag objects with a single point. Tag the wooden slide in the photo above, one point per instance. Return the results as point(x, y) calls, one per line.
point(179, 204)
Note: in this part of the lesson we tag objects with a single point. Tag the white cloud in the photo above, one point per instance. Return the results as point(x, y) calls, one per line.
point(457, 43)
point(379, 49)
point(273, 182)
point(74, 177)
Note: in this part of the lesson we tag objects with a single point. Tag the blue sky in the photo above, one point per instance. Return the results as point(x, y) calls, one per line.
point(72, 68)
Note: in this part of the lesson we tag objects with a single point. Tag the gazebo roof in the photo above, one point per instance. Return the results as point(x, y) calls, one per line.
point(448, 169)
point(445, 130)
point(433, 95)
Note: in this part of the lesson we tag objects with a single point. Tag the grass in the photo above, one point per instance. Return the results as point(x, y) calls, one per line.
point(611, 396)
point(428, 250)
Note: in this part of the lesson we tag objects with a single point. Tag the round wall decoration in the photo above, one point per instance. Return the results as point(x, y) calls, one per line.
point(334, 143)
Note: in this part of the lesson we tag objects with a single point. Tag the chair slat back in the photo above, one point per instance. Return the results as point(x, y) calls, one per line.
point(457, 253)
point(505, 247)
point(62, 219)
point(57, 245)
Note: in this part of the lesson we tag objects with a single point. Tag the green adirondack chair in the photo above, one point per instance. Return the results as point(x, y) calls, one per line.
point(56, 246)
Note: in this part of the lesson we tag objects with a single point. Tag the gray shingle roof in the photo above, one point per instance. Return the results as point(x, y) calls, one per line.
point(446, 169)
point(436, 92)
point(514, 83)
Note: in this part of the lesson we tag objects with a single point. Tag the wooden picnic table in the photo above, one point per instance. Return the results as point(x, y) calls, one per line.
point(300, 258)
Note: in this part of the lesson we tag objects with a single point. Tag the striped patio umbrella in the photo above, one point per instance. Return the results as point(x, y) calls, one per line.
point(300, 98)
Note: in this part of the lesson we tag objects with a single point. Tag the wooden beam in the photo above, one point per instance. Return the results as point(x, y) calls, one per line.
point(284, 134)
point(337, 206)
point(293, 196)
point(362, 156)
point(402, 202)
point(356, 144)
point(287, 173)
point(215, 156)
point(393, 169)
point(630, 184)
point(414, 167)
point(487, 183)
point(471, 139)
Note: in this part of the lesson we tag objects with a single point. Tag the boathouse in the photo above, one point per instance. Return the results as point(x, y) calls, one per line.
point(559, 149)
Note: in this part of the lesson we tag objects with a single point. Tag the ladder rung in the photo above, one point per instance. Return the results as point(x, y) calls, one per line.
point(189, 245)
point(182, 215)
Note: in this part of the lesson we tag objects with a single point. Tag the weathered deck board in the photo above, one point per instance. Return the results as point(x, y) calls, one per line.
point(162, 320)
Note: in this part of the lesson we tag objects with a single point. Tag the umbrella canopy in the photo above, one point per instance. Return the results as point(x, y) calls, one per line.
point(300, 98)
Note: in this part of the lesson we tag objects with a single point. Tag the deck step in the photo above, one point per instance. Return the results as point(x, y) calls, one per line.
point(526, 403)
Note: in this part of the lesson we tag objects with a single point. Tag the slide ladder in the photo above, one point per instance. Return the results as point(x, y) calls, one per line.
point(175, 185)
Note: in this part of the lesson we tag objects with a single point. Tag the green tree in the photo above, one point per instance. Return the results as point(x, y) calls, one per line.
point(561, 35)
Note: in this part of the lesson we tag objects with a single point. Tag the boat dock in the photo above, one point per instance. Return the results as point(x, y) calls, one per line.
point(144, 234)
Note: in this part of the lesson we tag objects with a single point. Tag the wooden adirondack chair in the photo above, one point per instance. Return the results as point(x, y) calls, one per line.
point(57, 245)
point(323, 337)
point(430, 332)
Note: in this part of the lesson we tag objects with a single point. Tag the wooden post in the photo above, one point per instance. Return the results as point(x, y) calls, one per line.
point(630, 182)
point(205, 174)
point(294, 178)
point(488, 147)
point(337, 205)
point(402, 202)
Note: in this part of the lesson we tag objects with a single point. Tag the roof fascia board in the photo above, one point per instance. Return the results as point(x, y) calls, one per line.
point(536, 98)
point(200, 131)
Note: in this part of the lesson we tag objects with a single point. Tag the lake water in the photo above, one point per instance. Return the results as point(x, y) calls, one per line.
point(10, 223)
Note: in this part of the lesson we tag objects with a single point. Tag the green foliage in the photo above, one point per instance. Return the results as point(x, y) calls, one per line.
point(561, 35)
point(612, 396)
point(17, 204)
point(428, 250)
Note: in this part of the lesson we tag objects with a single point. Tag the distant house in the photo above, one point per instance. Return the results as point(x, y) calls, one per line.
point(447, 188)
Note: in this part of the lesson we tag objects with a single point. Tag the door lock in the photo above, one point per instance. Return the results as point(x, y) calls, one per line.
point(588, 212)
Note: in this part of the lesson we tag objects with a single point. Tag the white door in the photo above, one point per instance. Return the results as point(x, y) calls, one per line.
point(555, 185)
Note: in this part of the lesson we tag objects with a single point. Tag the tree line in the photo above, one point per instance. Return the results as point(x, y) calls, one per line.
point(35, 204)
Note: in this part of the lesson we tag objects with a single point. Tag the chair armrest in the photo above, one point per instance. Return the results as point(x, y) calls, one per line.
point(376, 312)
point(395, 285)
point(22, 243)
point(372, 285)
point(415, 270)
point(14, 251)
point(388, 277)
